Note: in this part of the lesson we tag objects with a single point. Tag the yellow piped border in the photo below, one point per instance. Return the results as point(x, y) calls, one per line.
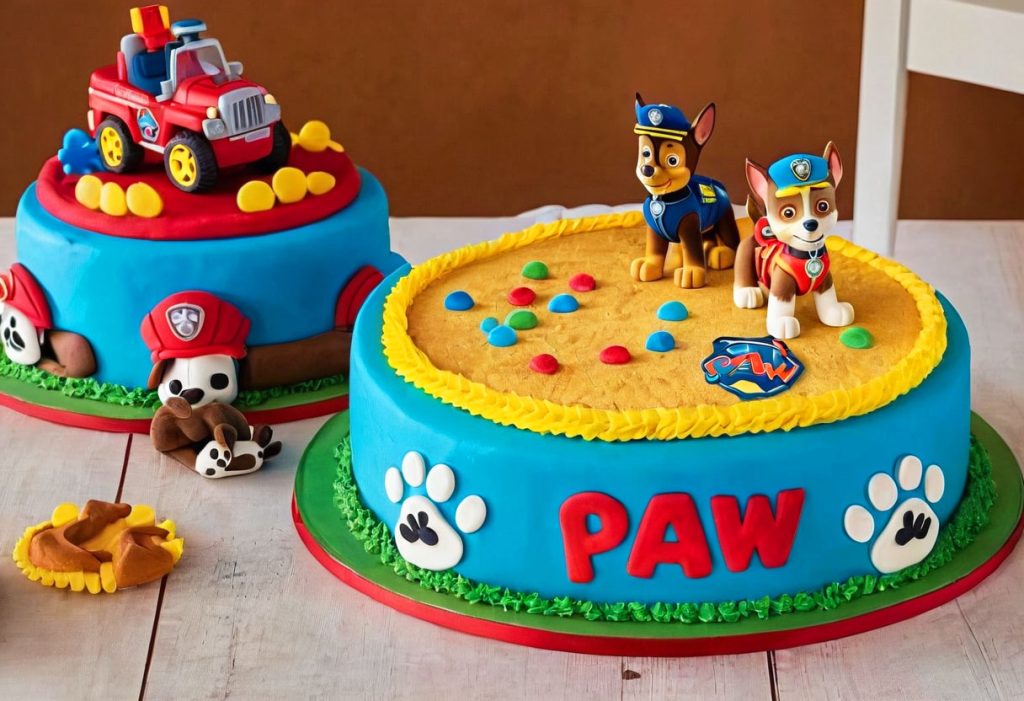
point(781, 413)
point(92, 582)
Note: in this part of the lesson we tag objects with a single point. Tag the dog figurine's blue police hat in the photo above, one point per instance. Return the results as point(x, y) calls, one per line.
point(796, 171)
point(661, 121)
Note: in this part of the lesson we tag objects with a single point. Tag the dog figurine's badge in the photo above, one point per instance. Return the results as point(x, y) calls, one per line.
point(752, 368)
point(186, 320)
point(801, 168)
point(655, 116)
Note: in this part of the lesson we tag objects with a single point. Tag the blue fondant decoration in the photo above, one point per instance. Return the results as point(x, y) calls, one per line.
point(79, 154)
point(458, 301)
point(502, 336)
point(660, 342)
point(525, 477)
point(287, 283)
point(488, 323)
point(798, 170)
point(673, 311)
point(563, 304)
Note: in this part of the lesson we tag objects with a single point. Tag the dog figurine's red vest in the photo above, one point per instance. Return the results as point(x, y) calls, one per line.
point(808, 270)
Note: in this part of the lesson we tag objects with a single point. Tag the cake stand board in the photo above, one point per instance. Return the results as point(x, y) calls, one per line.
point(324, 532)
point(93, 414)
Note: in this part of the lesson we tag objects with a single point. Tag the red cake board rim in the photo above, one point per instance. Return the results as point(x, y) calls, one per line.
point(107, 424)
point(343, 555)
point(655, 647)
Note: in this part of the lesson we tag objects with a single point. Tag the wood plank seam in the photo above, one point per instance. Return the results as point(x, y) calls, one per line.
point(152, 637)
point(773, 679)
point(124, 468)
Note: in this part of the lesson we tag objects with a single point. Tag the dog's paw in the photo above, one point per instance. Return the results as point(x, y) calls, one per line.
point(690, 277)
point(784, 327)
point(647, 269)
point(912, 528)
point(721, 257)
point(839, 314)
point(423, 535)
point(747, 297)
point(216, 460)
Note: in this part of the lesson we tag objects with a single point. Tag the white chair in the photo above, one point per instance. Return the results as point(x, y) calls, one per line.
point(976, 41)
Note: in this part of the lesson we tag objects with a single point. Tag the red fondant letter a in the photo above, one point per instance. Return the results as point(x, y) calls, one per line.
point(689, 550)
point(771, 535)
point(580, 543)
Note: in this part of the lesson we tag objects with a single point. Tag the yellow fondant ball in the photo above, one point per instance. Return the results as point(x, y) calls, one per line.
point(255, 196)
point(144, 201)
point(289, 184)
point(112, 200)
point(320, 182)
point(87, 191)
point(314, 136)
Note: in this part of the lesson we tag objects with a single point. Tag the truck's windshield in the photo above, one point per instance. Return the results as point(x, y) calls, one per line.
point(199, 59)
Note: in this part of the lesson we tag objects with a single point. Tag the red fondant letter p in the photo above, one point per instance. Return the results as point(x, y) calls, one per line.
point(580, 543)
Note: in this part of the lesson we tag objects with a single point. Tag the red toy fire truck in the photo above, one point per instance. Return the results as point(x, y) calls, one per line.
point(173, 92)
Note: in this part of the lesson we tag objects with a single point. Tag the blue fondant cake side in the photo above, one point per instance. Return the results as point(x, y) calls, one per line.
point(287, 282)
point(524, 478)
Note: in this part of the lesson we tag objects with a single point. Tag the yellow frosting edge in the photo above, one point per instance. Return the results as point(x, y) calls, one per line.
point(781, 413)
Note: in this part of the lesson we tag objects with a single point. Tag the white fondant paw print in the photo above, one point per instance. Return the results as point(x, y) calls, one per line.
point(912, 528)
point(423, 535)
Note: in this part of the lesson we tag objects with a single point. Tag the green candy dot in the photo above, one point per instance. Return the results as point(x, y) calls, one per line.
point(857, 337)
point(535, 270)
point(521, 320)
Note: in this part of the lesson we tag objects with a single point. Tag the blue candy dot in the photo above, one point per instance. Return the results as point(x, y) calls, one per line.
point(501, 336)
point(458, 301)
point(673, 311)
point(487, 324)
point(563, 304)
point(660, 342)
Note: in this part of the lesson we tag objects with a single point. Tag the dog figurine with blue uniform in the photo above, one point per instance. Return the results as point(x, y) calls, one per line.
point(793, 202)
point(690, 222)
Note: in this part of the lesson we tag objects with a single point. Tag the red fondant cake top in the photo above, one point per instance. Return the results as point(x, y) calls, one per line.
point(214, 214)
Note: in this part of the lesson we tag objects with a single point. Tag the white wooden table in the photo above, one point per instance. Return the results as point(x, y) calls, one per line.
point(250, 614)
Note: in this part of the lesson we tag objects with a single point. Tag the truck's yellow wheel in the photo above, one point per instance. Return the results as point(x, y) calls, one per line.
point(190, 162)
point(119, 153)
point(182, 165)
point(111, 147)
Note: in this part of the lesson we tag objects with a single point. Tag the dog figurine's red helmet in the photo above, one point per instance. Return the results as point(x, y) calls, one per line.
point(191, 324)
point(20, 290)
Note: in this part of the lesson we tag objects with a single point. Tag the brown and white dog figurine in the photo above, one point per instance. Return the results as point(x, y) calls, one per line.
point(786, 257)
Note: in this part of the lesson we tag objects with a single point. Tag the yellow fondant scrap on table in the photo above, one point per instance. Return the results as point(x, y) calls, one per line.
point(255, 196)
point(289, 185)
point(903, 311)
point(319, 182)
point(107, 541)
point(315, 136)
point(87, 191)
point(144, 201)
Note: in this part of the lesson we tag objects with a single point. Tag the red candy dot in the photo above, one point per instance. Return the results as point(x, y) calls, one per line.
point(544, 363)
point(615, 355)
point(521, 297)
point(581, 282)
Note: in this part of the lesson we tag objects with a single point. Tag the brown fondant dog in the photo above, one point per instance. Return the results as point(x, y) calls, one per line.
point(215, 440)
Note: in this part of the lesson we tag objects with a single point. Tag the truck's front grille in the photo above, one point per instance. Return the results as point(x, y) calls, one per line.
point(244, 110)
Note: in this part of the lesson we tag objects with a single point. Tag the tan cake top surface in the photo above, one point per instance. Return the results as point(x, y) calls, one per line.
point(660, 395)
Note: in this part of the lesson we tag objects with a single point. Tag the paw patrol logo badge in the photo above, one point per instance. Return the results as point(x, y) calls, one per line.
point(752, 368)
point(655, 116)
point(186, 321)
point(801, 168)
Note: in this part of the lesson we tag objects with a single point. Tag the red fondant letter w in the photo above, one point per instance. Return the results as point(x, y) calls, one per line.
point(770, 535)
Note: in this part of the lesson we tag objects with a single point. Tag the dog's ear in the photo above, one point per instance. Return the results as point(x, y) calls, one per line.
point(835, 164)
point(757, 178)
point(639, 101)
point(704, 124)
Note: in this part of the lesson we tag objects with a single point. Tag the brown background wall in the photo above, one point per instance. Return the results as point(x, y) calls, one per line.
point(496, 106)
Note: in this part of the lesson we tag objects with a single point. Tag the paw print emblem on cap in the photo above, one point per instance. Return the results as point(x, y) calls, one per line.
point(186, 321)
point(655, 116)
point(801, 168)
